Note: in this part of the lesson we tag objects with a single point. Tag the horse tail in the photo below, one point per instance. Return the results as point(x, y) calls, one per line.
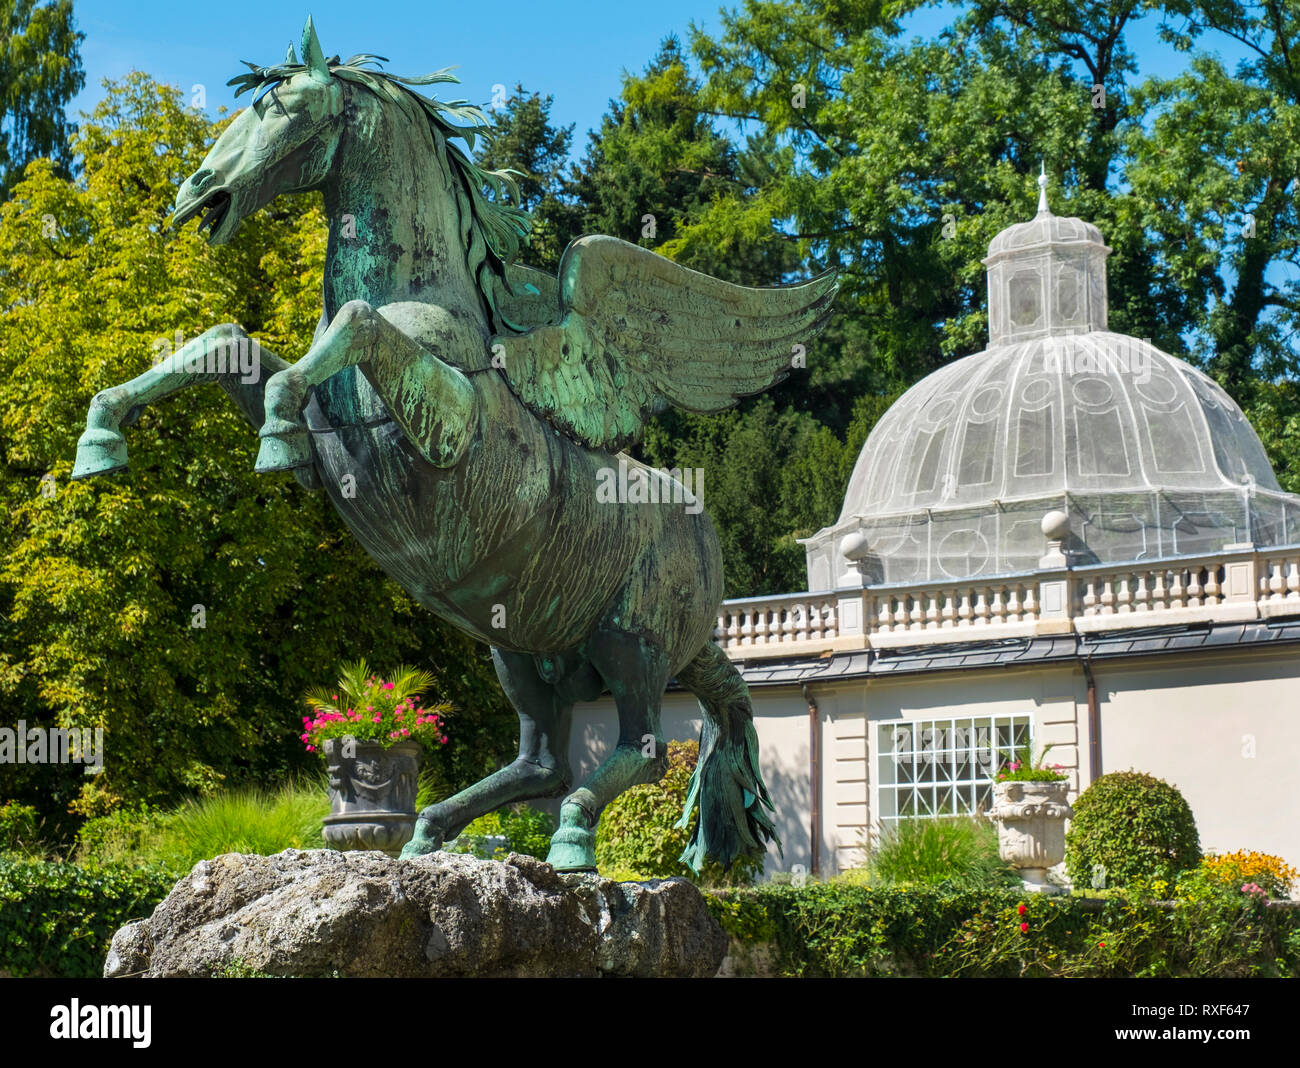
point(726, 787)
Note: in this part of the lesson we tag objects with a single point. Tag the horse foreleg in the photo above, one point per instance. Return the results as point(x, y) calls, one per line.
point(430, 400)
point(637, 673)
point(540, 770)
point(212, 356)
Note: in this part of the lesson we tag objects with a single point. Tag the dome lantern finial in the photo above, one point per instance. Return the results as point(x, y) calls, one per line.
point(1046, 276)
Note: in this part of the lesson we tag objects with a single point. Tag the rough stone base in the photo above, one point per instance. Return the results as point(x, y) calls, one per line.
point(322, 912)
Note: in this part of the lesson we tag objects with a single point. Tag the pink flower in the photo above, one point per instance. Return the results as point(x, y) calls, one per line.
point(388, 686)
point(311, 749)
point(444, 739)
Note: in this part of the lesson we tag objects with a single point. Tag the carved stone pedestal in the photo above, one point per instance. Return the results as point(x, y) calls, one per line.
point(1031, 828)
point(372, 794)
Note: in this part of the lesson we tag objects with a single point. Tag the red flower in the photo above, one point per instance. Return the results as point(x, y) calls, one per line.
point(1024, 927)
point(1021, 909)
point(1101, 945)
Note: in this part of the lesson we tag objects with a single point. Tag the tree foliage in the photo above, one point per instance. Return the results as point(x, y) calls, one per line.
point(40, 72)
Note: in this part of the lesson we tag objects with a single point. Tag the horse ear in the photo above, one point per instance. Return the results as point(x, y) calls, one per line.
point(291, 56)
point(312, 54)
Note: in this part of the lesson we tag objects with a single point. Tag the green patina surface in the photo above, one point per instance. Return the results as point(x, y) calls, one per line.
point(460, 410)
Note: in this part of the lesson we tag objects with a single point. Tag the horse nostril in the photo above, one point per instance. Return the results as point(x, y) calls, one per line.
point(200, 178)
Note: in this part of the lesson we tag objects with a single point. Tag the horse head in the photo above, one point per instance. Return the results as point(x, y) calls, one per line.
point(284, 143)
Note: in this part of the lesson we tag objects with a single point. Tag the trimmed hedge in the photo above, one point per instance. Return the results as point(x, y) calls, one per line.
point(839, 930)
point(57, 919)
point(1127, 826)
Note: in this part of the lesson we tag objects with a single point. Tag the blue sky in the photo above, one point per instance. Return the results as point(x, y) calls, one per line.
point(575, 50)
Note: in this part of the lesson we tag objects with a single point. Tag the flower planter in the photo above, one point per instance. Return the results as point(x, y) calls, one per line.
point(1031, 828)
point(372, 793)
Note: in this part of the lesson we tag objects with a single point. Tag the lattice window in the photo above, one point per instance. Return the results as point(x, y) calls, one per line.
point(943, 767)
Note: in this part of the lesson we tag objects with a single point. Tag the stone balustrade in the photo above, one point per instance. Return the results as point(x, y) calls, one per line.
point(1237, 584)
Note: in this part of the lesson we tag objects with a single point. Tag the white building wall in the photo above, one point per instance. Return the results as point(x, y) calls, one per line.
point(1224, 730)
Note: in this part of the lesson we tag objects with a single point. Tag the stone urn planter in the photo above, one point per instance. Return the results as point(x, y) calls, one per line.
point(1031, 828)
point(372, 793)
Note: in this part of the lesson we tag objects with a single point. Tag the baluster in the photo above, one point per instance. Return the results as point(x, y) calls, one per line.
point(932, 610)
point(1159, 594)
point(949, 608)
point(830, 619)
point(1142, 595)
point(1213, 586)
point(1014, 607)
point(1177, 594)
point(1276, 583)
point(1293, 579)
point(900, 613)
point(886, 615)
point(1107, 596)
point(998, 609)
point(1124, 595)
point(1090, 606)
point(1194, 588)
point(1029, 606)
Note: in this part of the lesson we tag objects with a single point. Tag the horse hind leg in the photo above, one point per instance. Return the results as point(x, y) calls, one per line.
point(540, 770)
point(636, 672)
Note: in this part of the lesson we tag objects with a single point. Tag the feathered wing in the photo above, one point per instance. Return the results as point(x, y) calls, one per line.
point(635, 333)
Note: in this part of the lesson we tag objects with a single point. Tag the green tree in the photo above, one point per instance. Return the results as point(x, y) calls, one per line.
point(657, 162)
point(100, 579)
point(40, 71)
point(527, 142)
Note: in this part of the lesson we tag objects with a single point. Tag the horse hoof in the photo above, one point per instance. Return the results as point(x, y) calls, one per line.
point(284, 447)
point(426, 839)
point(572, 849)
point(99, 452)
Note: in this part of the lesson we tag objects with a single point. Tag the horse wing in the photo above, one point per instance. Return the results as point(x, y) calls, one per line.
point(634, 333)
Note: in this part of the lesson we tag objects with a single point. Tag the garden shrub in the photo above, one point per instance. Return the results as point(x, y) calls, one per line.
point(637, 837)
point(1129, 826)
point(1271, 874)
point(124, 836)
point(57, 919)
point(238, 821)
point(19, 831)
point(958, 851)
point(525, 830)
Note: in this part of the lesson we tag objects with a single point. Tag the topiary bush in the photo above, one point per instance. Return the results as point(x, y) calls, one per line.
point(1129, 826)
point(637, 837)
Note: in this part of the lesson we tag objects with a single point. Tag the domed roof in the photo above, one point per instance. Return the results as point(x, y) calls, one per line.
point(1146, 455)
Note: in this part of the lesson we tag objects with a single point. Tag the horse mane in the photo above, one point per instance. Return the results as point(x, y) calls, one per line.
point(493, 232)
